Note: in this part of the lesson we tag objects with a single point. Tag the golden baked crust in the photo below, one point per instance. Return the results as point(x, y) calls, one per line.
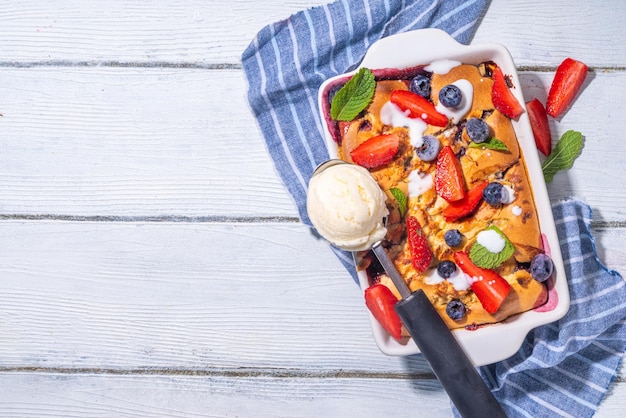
point(517, 220)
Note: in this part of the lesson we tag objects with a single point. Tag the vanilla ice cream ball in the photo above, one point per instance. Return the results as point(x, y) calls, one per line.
point(346, 206)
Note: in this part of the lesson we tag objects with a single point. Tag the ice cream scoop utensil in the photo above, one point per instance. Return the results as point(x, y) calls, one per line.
point(348, 208)
point(446, 357)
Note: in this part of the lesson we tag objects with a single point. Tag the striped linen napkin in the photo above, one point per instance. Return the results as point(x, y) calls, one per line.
point(563, 368)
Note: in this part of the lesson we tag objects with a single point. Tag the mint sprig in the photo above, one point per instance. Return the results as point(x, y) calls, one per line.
point(563, 155)
point(484, 258)
point(354, 96)
point(400, 198)
point(491, 143)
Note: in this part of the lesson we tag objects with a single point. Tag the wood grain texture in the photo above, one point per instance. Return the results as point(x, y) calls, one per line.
point(151, 262)
point(244, 397)
point(132, 31)
point(119, 141)
point(207, 33)
point(126, 295)
point(539, 33)
point(200, 396)
point(152, 142)
point(101, 295)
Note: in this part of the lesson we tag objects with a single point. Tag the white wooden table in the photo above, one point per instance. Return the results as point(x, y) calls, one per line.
point(151, 262)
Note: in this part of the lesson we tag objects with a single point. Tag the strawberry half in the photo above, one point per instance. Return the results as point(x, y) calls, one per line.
point(464, 207)
point(418, 107)
point(381, 301)
point(569, 77)
point(541, 128)
point(503, 98)
point(421, 255)
point(449, 180)
point(490, 288)
point(376, 151)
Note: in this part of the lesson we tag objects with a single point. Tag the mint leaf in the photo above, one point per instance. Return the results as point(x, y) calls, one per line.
point(563, 155)
point(354, 96)
point(400, 198)
point(484, 258)
point(491, 143)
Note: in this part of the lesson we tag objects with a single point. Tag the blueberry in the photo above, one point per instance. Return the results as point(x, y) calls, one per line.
point(420, 84)
point(453, 237)
point(541, 267)
point(495, 194)
point(456, 309)
point(429, 149)
point(450, 96)
point(477, 129)
point(446, 268)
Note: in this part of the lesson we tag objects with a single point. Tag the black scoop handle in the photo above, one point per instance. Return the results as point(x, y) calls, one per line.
point(446, 357)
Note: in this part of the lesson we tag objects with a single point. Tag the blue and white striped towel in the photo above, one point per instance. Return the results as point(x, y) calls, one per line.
point(563, 368)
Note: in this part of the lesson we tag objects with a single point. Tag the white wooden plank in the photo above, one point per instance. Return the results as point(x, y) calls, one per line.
point(168, 295)
point(36, 394)
point(187, 295)
point(133, 142)
point(148, 142)
point(205, 319)
point(204, 33)
point(119, 31)
point(610, 248)
point(544, 33)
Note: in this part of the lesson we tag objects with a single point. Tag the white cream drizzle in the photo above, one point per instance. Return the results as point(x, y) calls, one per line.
point(458, 280)
point(510, 195)
point(442, 66)
point(390, 114)
point(433, 277)
point(459, 112)
point(419, 183)
point(491, 240)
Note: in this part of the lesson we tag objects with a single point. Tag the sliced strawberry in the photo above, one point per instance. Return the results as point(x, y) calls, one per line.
point(541, 128)
point(376, 151)
point(449, 180)
point(490, 288)
point(421, 255)
point(503, 98)
point(464, 207)
point(381, 301)
point(418, 107)
point(569, 77)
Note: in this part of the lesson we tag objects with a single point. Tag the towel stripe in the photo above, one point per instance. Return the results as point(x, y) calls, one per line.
point(558, 388)
point(590, 363)
point(294, 114)
point(293, 170)
point(546, 404)
point(310, 95)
